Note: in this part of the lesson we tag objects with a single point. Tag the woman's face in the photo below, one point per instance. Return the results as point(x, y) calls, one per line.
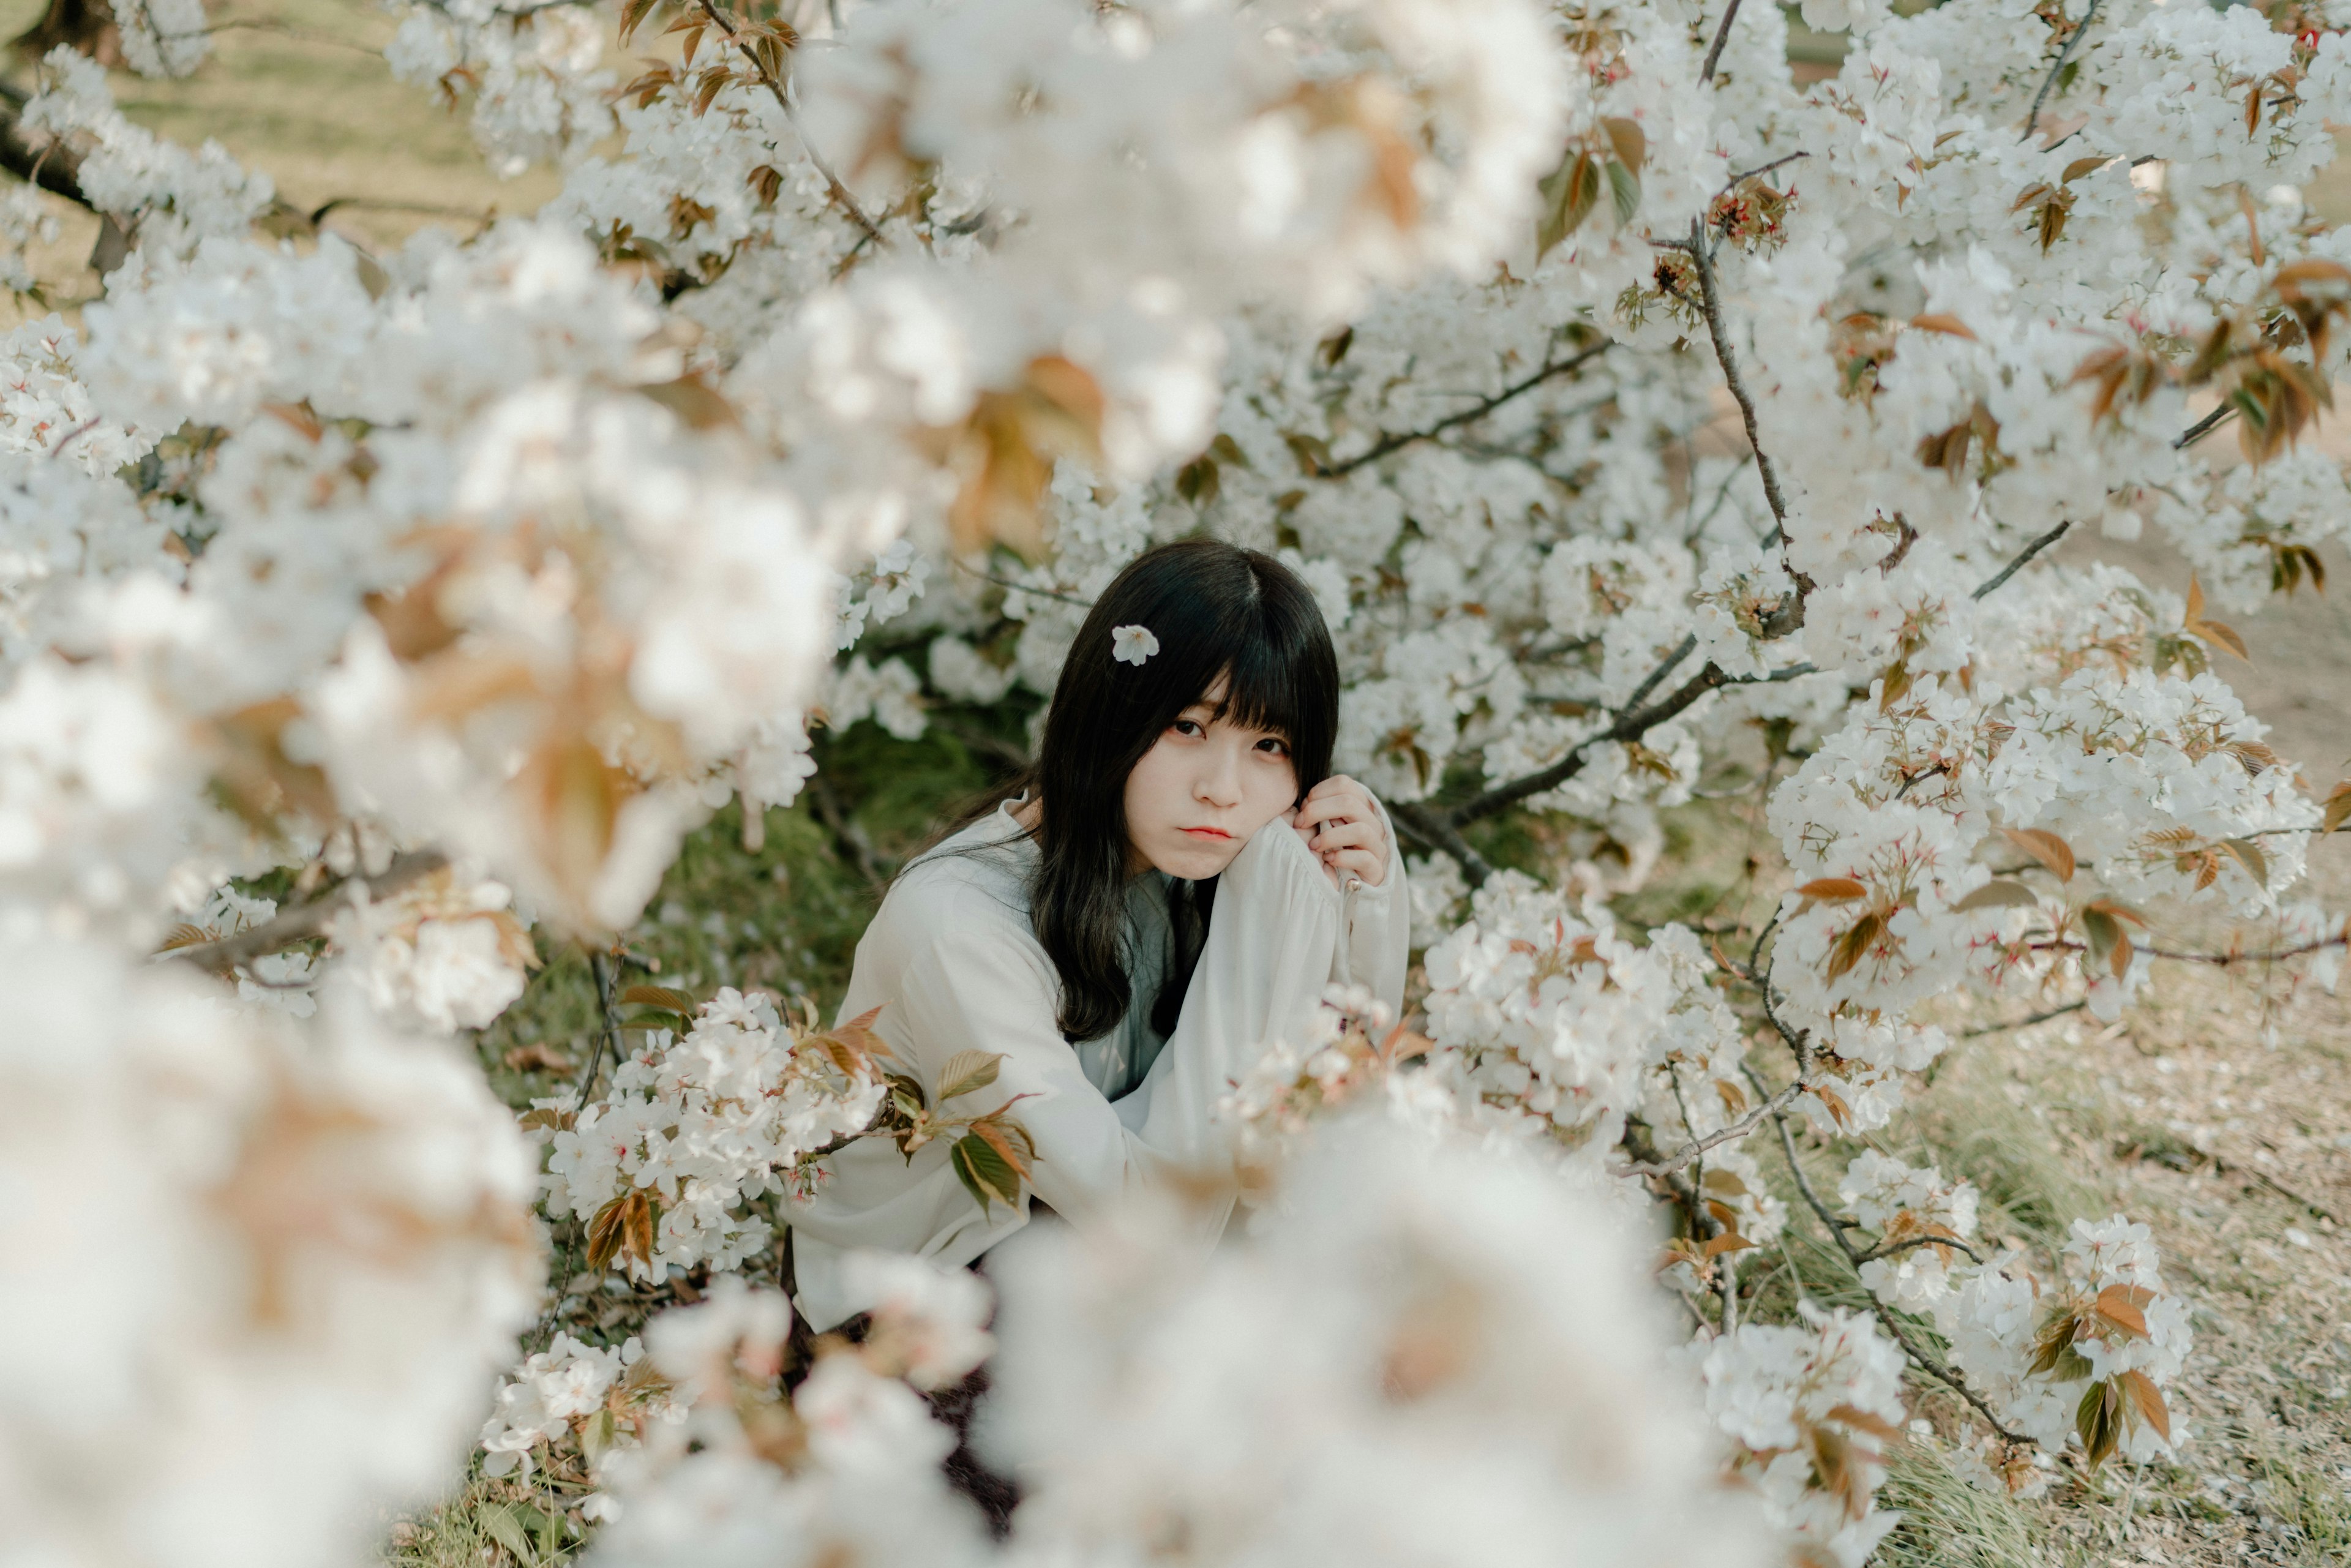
point(1203, 789)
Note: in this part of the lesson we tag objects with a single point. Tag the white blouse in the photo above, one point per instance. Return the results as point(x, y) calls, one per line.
point(953, 963)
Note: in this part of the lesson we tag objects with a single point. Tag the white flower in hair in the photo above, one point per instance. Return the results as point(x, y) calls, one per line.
point(1132, 644)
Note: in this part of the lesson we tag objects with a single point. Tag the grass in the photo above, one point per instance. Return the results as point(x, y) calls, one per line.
point(1947, 1520)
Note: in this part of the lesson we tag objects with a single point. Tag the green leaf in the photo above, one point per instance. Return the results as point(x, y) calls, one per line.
point(967, 1072)
point(506, 1529)
point(987, 1174)
point(1569, 194)
point(2099, 1419)
point(598, 1435)
point(1625, 190)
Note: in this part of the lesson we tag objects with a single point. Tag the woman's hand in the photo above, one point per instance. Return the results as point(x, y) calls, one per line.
point(1342, 827)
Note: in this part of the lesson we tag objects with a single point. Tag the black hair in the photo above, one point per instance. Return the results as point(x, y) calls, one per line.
point(1218, 612)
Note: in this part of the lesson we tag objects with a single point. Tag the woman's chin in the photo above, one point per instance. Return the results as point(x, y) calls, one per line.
point(1194, 860)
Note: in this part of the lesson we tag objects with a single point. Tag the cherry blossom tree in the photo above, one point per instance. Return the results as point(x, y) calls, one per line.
point(1643, 418)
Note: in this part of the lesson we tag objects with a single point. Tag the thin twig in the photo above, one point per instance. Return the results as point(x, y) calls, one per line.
point(1438, 833)
point(2064, 53)
point(1021, 587)
point(2220, 960)
point(1888, 1249)
point(1738, 180)
point(1655, 677)
point(608, 1032)
point(2011, 570)
point(833, 187)
point(1388, 444)
point(307, 920)
point(1929, 1364)
point(1667, 1164)
point(2025, 1022)
point(2202, 427)
point(1710, 301)
point(1721, 37)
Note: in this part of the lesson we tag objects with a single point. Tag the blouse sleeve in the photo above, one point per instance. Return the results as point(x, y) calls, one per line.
point(1379, 931)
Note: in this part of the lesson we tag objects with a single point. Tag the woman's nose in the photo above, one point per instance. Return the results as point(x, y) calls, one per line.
point(1219, 782)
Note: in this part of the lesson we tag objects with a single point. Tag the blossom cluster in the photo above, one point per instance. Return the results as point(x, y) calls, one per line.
point(694, 1128)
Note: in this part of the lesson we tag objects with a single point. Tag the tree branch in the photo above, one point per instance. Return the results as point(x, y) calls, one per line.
point(1439, 833)
point(608, 1031)
point(2024, 1022)
point(2064, 53)
point(1929, 1364)
point(1666, 1164)
point(308, 919)
point(2202, 427)
point(1710, 301)
point(2013, 567)
point(1631, 727)
point(833, 187)
point(1721, 37)
point(1388, 444)
point(51, 165)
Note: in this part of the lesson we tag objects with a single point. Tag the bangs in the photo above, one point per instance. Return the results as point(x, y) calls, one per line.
point(1263, 690)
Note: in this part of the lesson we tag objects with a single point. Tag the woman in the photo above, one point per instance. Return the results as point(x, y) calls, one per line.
point(1177, 882)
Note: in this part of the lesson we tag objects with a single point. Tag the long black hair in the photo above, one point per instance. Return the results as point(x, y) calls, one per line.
point(1218, 611)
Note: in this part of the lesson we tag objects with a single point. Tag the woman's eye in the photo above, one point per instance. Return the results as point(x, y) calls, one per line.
point(1274, 748)
point(1188, 727)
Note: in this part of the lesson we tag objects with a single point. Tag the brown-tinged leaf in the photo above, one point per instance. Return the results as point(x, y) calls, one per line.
point(298, 417)
point(1010, 1141)
point(697, 404)
point(659, 996)
point(2124, 1316)
point(1999, 893)
point(2149, 1401)
point(1943, 322)
point(1569, 194)
point(546, 1116)
point(1729, 1241)
point(1626, 140)
point(2225, 636)
point(1838, 1109)
point(2338, 808)
point(255, 777)
point(2045, 847)
point(633, 16)
point(2080, 166)
point(1834, 890)
point(968, 1071)
point(2248, 855)
point(573, 798)
point(184, 936)
point(458, 683)
point(1719, 1180)
point(1854, 945)
point(1861, 1421)
point(537, 1056)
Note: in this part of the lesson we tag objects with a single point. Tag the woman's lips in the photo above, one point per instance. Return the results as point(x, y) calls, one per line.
point(1208, 832)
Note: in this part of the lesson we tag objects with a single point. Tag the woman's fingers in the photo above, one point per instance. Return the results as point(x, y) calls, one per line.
point(1360, 847)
